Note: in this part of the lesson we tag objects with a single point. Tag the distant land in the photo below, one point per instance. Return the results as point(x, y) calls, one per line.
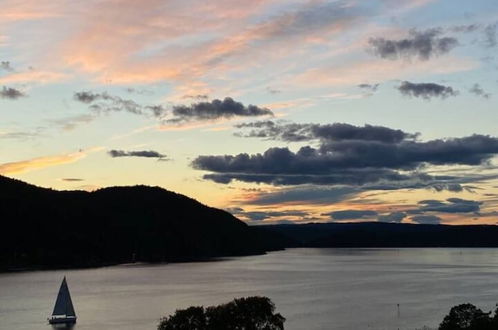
point(379, 234)
point(44, 228)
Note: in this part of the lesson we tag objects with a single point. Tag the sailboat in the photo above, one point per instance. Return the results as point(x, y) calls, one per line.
point(63, 309)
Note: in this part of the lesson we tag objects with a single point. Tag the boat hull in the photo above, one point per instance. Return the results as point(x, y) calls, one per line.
point(62, 320)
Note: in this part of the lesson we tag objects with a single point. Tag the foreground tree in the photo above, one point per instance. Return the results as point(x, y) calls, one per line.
point(252, 313)
point(468, 317)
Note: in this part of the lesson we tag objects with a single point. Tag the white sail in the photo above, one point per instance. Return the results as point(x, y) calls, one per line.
point(64, 304)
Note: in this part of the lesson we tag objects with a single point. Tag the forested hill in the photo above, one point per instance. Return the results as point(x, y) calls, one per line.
point(378, 234)
point(44, 228)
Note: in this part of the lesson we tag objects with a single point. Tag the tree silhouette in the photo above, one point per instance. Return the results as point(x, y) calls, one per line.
point(192, 318)
point(251, 313)
point(467, 317)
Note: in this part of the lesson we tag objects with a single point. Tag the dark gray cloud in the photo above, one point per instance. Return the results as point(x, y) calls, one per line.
point(72, 179)
point(426, 219)
point(452, 205)
point(265, 215)
point(396, 217)
point(370, 89)
point(139, 91)
point(453, 187)
point(273, 90)
point(465, 28)
point(426, 90)
point(6, 66)
point(104, 102)
point(378, 179)
point(371, 157)
point(294, 132)
point(196, 96)
point(89, 97)
point(355, 154)
point(226, 108)
point(310, 194)
point(234, 210)
point(142, 153)
point(490, 39)
point(11, 93)
point(419, 44)
point(477, 90)
point(351, 214)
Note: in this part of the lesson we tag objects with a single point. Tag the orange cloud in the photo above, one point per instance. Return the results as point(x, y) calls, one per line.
point(42, 162)
point(18, 10)
point(33, 76)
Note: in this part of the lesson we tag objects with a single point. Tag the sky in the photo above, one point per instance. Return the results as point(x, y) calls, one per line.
point(279, 111)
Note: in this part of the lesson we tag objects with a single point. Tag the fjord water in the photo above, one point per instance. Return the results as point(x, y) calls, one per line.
point(313, 288)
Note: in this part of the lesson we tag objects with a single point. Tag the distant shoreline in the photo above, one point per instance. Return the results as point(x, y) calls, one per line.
point(224, 258)
point(104, 265)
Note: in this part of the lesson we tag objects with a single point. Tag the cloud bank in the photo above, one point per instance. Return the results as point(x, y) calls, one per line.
point(426, 90)
point(141, 153)
point(419, 44)
point(11, 93)
point(216, 109)
point(372, 157)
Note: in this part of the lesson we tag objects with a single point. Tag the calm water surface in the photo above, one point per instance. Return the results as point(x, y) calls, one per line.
point(339, 289)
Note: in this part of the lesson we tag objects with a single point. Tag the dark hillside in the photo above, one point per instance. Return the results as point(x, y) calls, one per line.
point(47, 228)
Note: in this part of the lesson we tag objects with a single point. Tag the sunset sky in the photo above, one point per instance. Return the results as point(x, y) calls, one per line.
point(275, 110)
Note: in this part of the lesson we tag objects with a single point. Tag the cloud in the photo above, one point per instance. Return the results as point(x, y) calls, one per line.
point(355, 72)
point(104, 102)
point(465, 28)
point(426, 90)
point(265, 215)
point(179, 114)
point(196, 97)
point(6, 66)
point(32, 77)
point(273, 91)
point(426, 219)
point(89, 97)
point(369, 86)
point(369, 89)
point(356, 154)
point(378, 179)
point(392, 217)
point(216, 109)
point(41, 162)
point(294, 132)
point(11, 93)
point(368, 156)
point(453, 187)
point(142, 153)
point(70, 123)
point(310, 194)
point(419, 44)
point(452, 205)
point(21, 135)
point(477, 90)
point(351, 214)
point(72, 179)
point(490, 35)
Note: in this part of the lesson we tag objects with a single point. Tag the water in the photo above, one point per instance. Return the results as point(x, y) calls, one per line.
point(343, 289)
